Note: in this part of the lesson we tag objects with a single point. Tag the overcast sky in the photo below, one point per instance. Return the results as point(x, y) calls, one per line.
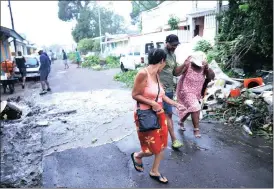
point(39, 21)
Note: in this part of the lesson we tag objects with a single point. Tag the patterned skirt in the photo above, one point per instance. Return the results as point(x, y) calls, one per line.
point(156, 140)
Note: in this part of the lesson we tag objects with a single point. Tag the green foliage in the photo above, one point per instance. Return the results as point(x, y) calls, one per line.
point(96, 45)
point(91, 61)
point(86, 45)
point(112, 62)
point(69, 10)
point(72, 56)
point(87, 17)
point(211, 55)
point(173, 22)
point(126, 77)
point(203, 45)
point(246, 34)
point(140, 6)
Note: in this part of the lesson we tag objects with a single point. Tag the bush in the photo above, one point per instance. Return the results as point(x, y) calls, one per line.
point(85, 45)
point(126, 77)
point(72, 56)
point(211, 55)
point(203, 46)
point(112, 62)
point(91, 61)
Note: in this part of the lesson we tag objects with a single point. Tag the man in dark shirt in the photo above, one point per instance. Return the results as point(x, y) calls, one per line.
point(20, 63)
point(65, 59)
point(44, 71)
point(166, 76)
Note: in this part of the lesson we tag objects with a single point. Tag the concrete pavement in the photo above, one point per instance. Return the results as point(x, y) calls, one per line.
point(223, 157)
point(92, 147)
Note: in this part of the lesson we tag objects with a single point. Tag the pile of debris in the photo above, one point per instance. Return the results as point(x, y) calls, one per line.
point(247, 103)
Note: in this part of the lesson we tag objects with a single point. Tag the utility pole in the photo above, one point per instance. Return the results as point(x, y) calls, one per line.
point(219, 10)
point(100, 29)
point(12, 24)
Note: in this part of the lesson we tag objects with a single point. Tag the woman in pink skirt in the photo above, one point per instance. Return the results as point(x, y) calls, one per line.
point(189, 89)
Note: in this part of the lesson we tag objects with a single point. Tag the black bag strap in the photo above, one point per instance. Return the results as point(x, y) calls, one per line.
point(138, 104)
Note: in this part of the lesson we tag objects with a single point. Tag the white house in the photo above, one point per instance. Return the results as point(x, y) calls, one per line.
point(196, 18)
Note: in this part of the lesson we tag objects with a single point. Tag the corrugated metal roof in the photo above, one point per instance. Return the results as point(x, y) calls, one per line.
point(11, 33)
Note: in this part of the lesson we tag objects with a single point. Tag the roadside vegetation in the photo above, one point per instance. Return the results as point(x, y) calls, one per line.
point(126, 77)
point(97, 63)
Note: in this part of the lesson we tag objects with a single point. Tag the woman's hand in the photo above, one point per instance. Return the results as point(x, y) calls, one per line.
point(156, 107)
point(205, 64)
point(180, 107)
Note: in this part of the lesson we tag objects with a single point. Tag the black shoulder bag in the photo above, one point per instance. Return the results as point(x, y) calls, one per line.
point(148, 119)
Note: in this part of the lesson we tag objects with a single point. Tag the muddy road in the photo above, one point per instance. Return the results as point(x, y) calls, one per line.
point(91, 147)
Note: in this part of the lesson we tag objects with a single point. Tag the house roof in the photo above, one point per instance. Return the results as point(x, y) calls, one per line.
point(10, 33)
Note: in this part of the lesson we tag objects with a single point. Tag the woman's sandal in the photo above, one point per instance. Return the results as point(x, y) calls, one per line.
point(182, 127)
point(135, 164)
point(158, 178)
point(196, 135)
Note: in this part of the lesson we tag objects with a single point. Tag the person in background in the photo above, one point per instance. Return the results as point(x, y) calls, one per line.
point(78, 58)
point(65, 59)
point(21, 65)
point(147, 88)
point(190, 88)
point(44, 72)
point(166, 76)
point(51, 56)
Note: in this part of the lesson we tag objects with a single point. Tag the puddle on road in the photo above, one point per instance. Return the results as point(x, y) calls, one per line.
point(102, 117)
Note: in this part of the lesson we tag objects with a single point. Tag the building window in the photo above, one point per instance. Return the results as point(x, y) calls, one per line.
point(186, 27)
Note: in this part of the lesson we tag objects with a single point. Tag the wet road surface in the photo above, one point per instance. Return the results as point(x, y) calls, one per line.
point(92, 147)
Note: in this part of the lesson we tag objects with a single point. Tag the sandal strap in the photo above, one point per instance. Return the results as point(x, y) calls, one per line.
point(196, 129)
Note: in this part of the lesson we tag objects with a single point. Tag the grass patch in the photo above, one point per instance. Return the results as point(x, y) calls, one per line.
point(95, 63)
point(126, 77)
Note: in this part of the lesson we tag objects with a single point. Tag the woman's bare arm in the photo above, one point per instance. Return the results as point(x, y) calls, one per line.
point(168, 100)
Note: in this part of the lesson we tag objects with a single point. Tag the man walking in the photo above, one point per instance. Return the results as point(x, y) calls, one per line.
point(78, 58)
point(20, 63)
point(166, 76)
point(65, 59)
point(44, 72)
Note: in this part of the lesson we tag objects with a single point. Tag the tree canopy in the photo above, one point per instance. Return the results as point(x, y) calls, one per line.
point(139, 6)
point(86, 13)
point(246, 34)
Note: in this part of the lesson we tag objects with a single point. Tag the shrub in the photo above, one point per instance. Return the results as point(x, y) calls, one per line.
point(173, 22)
point(203, 46)
point(72, 56)
point(112, 62)
point(126, 77)
point(91, 61)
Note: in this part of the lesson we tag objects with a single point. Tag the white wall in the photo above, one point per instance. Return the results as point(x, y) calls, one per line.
point(155, 19)
point(209, 28)
point(158, 17)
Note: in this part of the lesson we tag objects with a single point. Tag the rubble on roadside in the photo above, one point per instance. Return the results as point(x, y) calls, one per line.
point(245, 103)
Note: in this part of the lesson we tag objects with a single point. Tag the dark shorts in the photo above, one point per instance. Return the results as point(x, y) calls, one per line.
point(23, 72)
point(168, 107)
point(44, 75)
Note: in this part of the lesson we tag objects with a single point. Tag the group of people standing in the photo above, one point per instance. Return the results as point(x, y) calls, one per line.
point(154, 90)
point(46, 59)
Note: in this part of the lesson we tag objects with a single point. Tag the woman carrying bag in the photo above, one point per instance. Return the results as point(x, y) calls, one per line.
point(149, 116)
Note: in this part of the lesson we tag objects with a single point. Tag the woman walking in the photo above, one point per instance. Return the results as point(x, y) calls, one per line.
point(189, 89)
point(149, 94)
